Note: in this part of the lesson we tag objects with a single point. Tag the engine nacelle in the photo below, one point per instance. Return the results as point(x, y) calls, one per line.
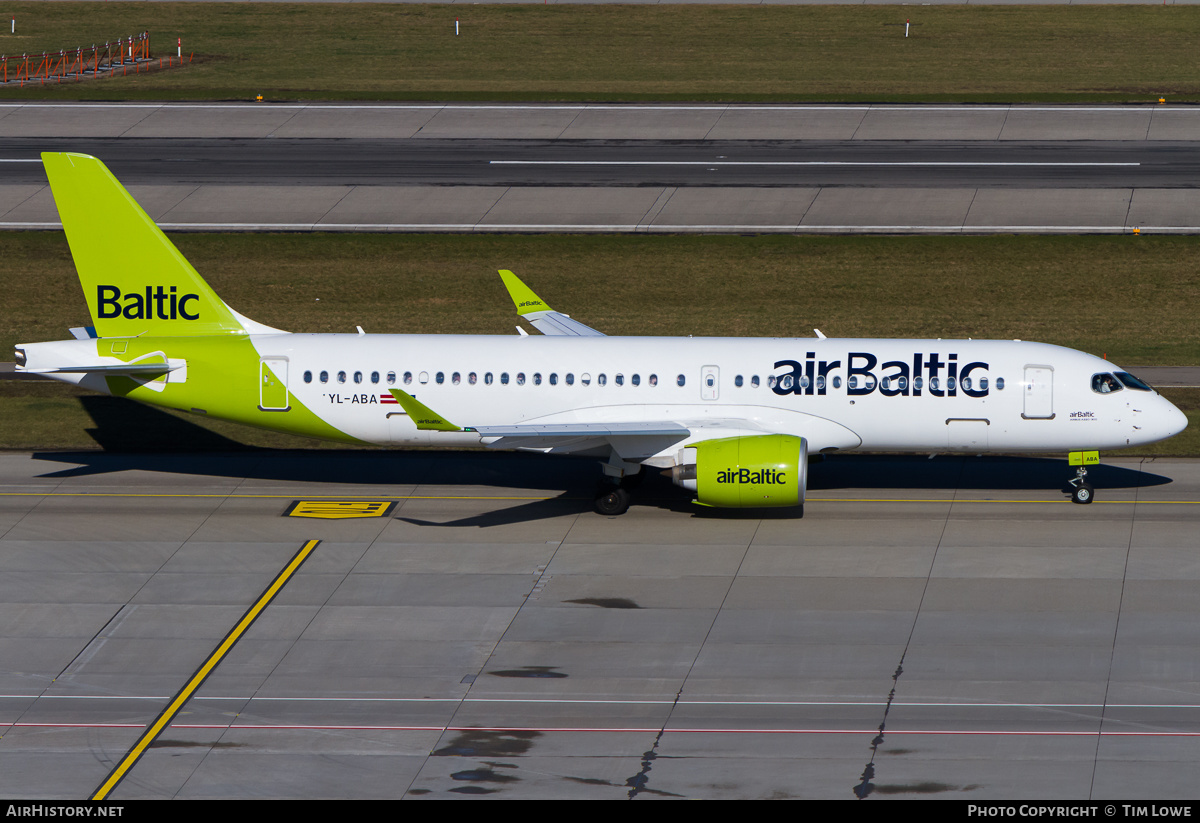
point(746, 472)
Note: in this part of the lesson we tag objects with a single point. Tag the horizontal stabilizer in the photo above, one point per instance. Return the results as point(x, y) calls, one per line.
point(111, 371)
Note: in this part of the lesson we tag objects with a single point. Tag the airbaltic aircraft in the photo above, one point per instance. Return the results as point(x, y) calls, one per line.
point(735, 420)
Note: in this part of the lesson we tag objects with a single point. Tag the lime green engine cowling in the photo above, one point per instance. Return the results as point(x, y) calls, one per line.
point(748, 472)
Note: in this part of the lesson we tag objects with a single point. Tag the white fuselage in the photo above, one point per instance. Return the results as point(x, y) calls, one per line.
point(939, 395)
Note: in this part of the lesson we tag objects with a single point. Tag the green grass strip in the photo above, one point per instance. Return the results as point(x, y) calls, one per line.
point(614, 52)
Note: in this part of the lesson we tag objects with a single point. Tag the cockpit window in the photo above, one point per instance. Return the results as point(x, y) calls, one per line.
point(1132, 382)
point(1105, 384)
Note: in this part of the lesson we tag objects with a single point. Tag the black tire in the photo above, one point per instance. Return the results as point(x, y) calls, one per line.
point(1083, 493)
point(612, 501)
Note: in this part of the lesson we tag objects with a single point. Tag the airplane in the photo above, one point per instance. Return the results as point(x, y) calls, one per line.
point(736, 420)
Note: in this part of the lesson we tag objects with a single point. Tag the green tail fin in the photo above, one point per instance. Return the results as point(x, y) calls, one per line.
point(133, 277)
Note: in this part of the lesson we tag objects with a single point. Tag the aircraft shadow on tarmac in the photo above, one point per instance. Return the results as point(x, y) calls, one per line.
point(133, 437)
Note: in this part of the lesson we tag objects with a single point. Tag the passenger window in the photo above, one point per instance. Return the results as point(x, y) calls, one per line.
point(837, 382)
point(504, 378)
point(537, 378)
point(391, 378)
point(885, 383)
point(456, 378)
point(441, 378)
point(341, 377)
point(308, 377)
point(553, 379)
point(423, 377)
point(487, 379)
point(770, 381)
point(472, 378)
point(407, 378)
point(374, 377)
point(619, 380)
point(918, 383)
point(737, 381)
point(821, 382)
point(570, 379)
point(324, 377)
point(520, 378)
point(635, 380)
point(681, 380)
point(358, 377)
point(982, 383)
point(585, 379)
point(601, 380)
point(902, 382)
point(999, 384)
point(754, 382)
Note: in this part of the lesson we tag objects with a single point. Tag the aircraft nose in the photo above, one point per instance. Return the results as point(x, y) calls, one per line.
point(1176, 421)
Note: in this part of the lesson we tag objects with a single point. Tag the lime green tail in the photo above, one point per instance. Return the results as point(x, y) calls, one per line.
point(135, 280)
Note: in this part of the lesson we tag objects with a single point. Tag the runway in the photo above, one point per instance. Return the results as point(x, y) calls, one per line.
point(590, 163)
point(622, 168)
point(930, 628)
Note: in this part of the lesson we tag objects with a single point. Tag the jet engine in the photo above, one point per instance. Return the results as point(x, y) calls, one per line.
point(745, 472)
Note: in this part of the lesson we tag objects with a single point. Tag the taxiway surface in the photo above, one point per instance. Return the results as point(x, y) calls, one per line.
point(944, 628)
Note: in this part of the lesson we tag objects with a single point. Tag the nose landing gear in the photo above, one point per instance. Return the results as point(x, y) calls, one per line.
point(1081, 490)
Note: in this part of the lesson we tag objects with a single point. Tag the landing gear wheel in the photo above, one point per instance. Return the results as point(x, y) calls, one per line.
point(1083, 493)
point(1081, 490)
point(612, 501)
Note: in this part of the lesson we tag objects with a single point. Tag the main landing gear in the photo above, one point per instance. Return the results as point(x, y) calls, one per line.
point(612, 500)
point(615, 493)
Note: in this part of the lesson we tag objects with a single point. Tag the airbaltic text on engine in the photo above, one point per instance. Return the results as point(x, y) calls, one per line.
point(744, 475)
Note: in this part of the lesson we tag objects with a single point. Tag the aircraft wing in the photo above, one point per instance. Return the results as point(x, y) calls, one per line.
point(551, 436)
point(534, 309)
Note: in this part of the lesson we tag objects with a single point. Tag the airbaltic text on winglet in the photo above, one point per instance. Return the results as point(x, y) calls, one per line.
point(155, 304)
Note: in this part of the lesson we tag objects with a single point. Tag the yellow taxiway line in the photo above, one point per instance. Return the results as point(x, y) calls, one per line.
point(164, 719)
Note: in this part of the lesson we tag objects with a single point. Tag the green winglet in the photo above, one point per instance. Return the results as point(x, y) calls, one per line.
point(522, 296)
point(425, 418)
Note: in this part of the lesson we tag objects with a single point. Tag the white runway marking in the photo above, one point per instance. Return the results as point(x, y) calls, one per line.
point(922, 163)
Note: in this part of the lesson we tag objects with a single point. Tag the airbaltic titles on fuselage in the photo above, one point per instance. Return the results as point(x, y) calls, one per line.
point(928, 373)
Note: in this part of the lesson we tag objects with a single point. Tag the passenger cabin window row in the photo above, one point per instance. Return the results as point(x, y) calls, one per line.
point(1101, 383)
point(472, 378)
